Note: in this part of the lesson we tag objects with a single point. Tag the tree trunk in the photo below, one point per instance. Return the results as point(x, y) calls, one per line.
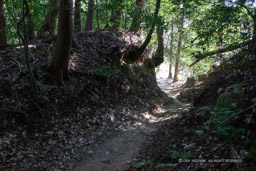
point(254, 33)
point(159, 54)
point(3, 40)
point(171, 53)
point(90, 14)
point(97, 15)
point(177, 61)
point(115, 18)
point(77, 17)
point(170, 71)
point(59, 65)
point(136, 21)
point(50, 20)
point(132, 56)
point(31, 30)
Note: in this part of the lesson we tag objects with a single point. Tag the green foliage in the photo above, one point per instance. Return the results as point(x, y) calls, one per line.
point(199, 132)
point(251, 156)
point(167, 165)
point(224, 109)
point(175, 158)
point(226, 100)
point(110, 69)
point(144, 162)
point(176, 155)
point(14, 13)
point(228, 104)
point(206, 108)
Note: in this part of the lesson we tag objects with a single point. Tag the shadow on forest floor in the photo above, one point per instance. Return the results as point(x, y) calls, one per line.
point(119, 151)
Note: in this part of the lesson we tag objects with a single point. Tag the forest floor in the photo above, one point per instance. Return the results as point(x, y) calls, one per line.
point(108, 114)
point(118, 152)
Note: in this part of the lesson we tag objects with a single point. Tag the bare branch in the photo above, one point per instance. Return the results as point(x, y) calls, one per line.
point(226, 49)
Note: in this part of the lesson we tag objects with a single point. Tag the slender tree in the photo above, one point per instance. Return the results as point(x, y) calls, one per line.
point(24, 38)
point(59, 65)
point(77, 17)
point(90, 14)
point(171, 52)
point(97, 15)
point(31, 27)
point(3, 40)
point(136, 21)
point(159, 54)
point(177, 61)
point(50, 20)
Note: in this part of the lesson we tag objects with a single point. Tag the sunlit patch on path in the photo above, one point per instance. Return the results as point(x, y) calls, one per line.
point(118, 152)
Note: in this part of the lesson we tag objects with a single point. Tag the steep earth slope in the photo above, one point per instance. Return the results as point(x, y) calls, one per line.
point(55, 126)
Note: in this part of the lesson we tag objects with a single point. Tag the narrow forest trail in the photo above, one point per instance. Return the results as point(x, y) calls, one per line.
point(116, 153)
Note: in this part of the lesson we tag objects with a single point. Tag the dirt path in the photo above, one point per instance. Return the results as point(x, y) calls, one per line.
point(117, 152)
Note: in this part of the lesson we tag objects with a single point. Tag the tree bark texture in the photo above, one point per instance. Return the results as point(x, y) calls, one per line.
point(171, 53)
point(31, 27)
point(170, 71)
point(3, 40)
point(97, 15)
point(159, 54)
point(77, 17)
point(254, 33)
point(59, 65)
point(50, 20)
point(136, 21)
point(90, 14)
point(115, 18)
point(134, 55)
point(177, 61)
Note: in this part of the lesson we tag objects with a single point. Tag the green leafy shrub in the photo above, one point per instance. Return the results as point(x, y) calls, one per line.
point(251, 156)
point(109, 70)
point(176, 155)
point(144, 162)
point(227, 105)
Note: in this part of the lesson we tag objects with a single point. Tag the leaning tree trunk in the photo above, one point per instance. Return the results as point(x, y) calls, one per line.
point(50, 20)
point(136, 21)
point(31, 28)
point(59, 65)
point(90, 14)
point(135, 54)
point(223, 50)
point(77, 17)
point(159, 54)
point(3, 40)
point(177, 61)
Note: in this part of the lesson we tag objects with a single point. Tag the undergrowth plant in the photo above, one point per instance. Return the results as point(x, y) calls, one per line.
point(108, 70)
point(175, 158)
point(228, 103)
